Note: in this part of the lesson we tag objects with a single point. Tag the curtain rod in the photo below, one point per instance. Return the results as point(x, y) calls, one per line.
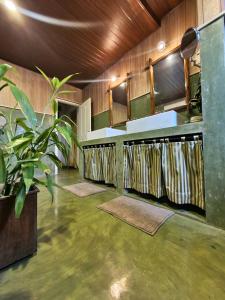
point(178, 138)
point(99, 145)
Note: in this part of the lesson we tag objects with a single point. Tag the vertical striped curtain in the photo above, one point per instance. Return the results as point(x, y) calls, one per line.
point(166, 169)
point(143, 169)
point(109, 164)
point(183, 172)
point(156, 185)
point(128, 166)
point(100, 164)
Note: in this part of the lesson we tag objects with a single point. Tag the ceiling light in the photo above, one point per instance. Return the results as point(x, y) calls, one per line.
point(161, 45)
point(113, 79)
point(10, 5)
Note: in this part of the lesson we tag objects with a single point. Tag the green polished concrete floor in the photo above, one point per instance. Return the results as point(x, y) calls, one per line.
point(84, 253)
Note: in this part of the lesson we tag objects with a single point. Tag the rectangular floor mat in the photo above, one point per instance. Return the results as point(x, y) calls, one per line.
point(137, 213)
point(84, 189)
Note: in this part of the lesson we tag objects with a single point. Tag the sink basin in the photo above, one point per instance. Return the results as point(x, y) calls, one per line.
point(162, 120)
point(103, 133)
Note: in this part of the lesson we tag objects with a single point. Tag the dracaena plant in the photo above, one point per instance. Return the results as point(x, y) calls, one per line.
point(25, 143)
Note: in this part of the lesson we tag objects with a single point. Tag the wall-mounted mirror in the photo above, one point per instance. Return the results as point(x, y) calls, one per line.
point(169, 82)
point(189, 43)
point(119, 103)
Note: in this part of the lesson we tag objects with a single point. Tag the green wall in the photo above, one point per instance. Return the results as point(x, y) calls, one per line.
point(140, 107)
point(100, 121)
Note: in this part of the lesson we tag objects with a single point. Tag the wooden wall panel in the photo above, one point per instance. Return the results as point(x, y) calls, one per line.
point(135, 61)
point(208, 9)
point(36, 88)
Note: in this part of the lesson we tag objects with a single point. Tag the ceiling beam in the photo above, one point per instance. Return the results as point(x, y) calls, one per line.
point(147, 7)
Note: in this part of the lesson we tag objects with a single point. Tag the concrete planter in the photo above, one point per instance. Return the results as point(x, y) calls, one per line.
point(18, 237)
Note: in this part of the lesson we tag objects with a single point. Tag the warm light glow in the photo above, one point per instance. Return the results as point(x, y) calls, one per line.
point(123, 84)
point(161, 45)
point(170, 57)
point(113, 79)
point(118, 288)
point(10, 5)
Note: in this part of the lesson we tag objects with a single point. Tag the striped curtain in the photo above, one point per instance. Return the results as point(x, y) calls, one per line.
point(183, 172)
point(143, 169)
point(167, 169)
point(109, 164)
point(128, 166)
point(100, 164)
point(155, 181)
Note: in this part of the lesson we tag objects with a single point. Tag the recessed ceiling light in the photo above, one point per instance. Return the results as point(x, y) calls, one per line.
point(161, 45)
point(10, 5)
point(113, 78)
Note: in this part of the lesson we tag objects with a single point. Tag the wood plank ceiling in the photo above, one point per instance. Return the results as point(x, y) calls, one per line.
point(95, 35)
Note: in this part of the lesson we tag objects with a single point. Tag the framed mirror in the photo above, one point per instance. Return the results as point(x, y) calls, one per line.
point(189, 43)
point(169, 81)
point(119, 103)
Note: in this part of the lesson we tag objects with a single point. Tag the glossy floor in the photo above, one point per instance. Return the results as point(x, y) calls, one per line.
point(84, 253)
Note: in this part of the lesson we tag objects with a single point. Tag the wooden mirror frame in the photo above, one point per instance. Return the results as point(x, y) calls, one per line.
point(152, 83)
point(112, 85)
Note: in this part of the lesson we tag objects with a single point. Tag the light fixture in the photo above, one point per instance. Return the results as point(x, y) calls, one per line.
point(161, 45)
point(10, 5)
point(113, 79)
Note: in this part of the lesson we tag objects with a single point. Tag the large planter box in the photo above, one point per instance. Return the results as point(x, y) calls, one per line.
point(18, 237)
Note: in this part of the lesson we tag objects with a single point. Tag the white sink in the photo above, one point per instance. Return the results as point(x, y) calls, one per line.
point(103, 133)
point(162, 120)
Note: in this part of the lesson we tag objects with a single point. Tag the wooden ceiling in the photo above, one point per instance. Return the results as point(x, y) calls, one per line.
point(95, 35)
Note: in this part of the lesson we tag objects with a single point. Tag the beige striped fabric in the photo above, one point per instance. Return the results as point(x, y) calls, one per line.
point(109, 164)
point(154, 170)
point(100, 164)
point(143, 169)
point(183, 172)
point(167, 169)
point(128, 166)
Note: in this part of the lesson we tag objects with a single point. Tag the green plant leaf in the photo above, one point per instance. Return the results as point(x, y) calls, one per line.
point(44, 135)
point(25, 105)
point(44, 75)
point(43, 167)
point(64, 81)
point(4, 68)
point(20, 199)
point(55, 159)
point(21, 122)
point(28, 174)
point(66, 133)
point(19, 141)
point(54, 105)
point(55, 83)
point(2, 167)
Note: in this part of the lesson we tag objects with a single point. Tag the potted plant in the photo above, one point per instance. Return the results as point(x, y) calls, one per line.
point(25, 146)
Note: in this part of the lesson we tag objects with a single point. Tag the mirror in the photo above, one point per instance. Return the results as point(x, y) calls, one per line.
point(189, 43)
point(119, 103)
point(169, 82)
